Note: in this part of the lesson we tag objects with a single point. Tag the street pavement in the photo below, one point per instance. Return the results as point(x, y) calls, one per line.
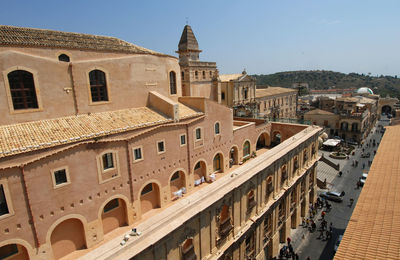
point(308, 244)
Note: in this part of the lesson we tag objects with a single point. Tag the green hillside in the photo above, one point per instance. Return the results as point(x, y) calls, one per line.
point(320, 79)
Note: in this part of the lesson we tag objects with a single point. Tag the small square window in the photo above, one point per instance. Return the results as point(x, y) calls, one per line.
point(198, 133)
point(60, 176)
point(160, 147)
point(137, 153)
point(183, 139)
point(108, 161)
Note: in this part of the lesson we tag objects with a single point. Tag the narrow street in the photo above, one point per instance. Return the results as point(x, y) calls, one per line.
point(308, 244)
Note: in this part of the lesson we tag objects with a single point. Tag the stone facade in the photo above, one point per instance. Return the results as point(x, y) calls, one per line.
point(104, 141)
point(198, 77)
point(276, 102)
point(238, 91)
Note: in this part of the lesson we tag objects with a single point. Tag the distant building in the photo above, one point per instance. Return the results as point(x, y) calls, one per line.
point(238, 91)
point(355, 116)
point(326, 119)
point(276, 102)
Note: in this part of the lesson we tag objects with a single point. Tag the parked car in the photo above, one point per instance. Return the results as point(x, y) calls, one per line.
point(363, 178)
point(332, 195)
point(352, 142)
point(337, 243)
point(338, 138)
point(365, 155)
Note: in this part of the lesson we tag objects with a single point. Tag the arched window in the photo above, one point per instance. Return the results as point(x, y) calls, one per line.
point(98, 86)
point(204, 74)
point(63, 57)
point(269, 189)
point(196, 74)
point(251, 201)
point(284, 174)
point(172, 83)
point(246, 149)
point(217, 163)
point(224, 222)
point(216, 128)
point(147, 189)
point(188, 250)
point(22, 88)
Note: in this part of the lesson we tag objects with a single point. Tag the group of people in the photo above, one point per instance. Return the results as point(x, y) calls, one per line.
point(287, 251)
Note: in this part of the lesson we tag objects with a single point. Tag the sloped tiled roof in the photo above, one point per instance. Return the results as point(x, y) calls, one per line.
point(36, 135)
point(188, 41)
point(318, 112)
point(229, 77)
point(271, 91)
point(41, 38)
point(373, 231)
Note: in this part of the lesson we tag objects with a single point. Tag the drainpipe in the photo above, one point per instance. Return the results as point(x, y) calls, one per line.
point(188, 150)
point(129, 170)
point(73, 88)
point(30, 214)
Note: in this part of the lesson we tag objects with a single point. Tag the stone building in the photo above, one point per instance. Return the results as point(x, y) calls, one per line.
point(198, 77)
point(238, 91)
point(96, 138)
point(276, 102)
point(326, 119)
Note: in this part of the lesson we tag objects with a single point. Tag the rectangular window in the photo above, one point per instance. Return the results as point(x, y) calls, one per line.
point(3, 202)
point(183, 139)
point(160, 147)
point(198, 133)
point(108, 162)
point(60, 176)
point(223, 95)
point(137, 153)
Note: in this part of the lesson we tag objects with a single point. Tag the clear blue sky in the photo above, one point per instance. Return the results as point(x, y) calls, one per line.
point(262, 36)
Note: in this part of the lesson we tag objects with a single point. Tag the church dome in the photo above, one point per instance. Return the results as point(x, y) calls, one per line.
point(364, 91)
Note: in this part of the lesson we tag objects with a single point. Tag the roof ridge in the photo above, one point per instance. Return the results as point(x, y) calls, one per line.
point(37, 37)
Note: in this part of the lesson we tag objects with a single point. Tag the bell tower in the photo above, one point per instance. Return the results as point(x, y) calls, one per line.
point(198, 77)
point(188, 47)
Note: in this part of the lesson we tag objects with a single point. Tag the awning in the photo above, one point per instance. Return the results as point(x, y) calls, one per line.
point(331, 142)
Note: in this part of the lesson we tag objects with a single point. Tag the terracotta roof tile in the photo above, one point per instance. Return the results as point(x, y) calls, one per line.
point(30, 136)
point(229, 77)
point(20, 36)
point(271, 91)
point(373, 231)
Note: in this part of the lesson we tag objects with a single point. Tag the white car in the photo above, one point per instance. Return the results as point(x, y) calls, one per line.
point(363, 178)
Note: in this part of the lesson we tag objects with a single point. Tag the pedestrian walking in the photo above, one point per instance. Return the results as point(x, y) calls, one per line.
point(321, 234)
point(363, 165)
point(288, 239)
